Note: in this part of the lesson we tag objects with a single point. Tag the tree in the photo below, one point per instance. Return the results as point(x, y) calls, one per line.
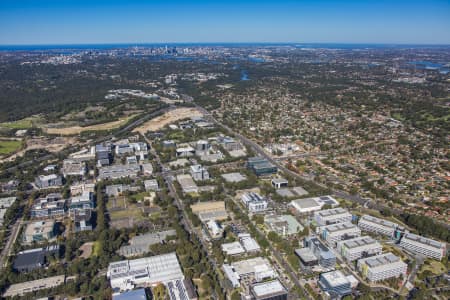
point(160, 292)
point(235, 295)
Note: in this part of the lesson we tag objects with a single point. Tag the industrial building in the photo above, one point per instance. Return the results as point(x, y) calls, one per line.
point(284, 225)
point(359, 247)
point(233, 177)
point(20, 289)
point(147, 271)
point(381, 267)
point(337, 232)
point(335, 284)
point(32, 259)
point(419, 244)
point(270, 290)
point(377, 225)
point(151, 185)
point(254, 202)
point(234, 248)
point(310, 205)
point(332, 216)
point(210, 210)
point(187, 184)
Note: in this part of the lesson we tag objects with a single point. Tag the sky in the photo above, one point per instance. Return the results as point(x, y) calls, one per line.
point(35, 22)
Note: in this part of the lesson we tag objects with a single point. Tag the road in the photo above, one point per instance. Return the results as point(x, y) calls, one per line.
point(12, 237)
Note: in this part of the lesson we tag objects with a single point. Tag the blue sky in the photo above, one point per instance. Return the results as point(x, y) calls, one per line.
point(138, 21)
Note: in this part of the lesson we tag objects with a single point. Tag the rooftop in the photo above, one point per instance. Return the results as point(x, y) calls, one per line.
point(335, 278)
point(270, 288)
point(424, 240)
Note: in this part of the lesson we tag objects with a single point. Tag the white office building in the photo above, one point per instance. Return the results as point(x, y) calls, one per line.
point(254, 202)
point(377, 225)
point(332, 216)
point(381, 267)
point(422, 245)
point(358, 247)
point(338, 232)
point(147, 271)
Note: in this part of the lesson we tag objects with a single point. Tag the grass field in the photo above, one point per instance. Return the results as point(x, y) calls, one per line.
point(98, 127)
point(20, 124)
point(9, 146)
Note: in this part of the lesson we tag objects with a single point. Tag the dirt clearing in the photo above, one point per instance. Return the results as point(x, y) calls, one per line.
point(168, 118)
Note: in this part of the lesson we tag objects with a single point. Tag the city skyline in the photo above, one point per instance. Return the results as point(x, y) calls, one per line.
point(138, 22)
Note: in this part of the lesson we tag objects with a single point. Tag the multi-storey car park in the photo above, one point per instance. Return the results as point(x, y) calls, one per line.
point(381, 267)
point(377, 225)
point(337, 232)
point(332, 216)
point(358, 247)
point(419, 244)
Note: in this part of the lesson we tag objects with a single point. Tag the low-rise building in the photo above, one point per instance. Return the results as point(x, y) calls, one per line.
point(82, 220)
point(185, 151)
point(52, 205)
point(279, 183)
point(332, 216)
point(39, 231)
point(258, 268)
point(151, 185)
point(254, 202)
point(233, 177)
point(310, 205)
point(210, 210)
point(335, 284)
point(324, 256)
point(199, 173)
point(337, 232)
point(377, 225)
point(73, 167)
point(128, 274)
point(117, 189)
point(187, 184)
point(261, 166)
point(78, 189)
point(32, 259)
point(118, 171)
point(359, 247)
point(270, 290)
point(248, 243)
point(284, 225)
point(234, 248)
point(419, 244)
point(82, 202)
point(382, 267)
point(5, 204)
point(23, 288)
point(47, 181)
point(140, 244)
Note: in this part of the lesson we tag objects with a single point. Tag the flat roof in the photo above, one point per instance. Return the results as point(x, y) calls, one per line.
point(305, 254)
point(339, 227)
point(35, 285)
point(233, 248)
point(335, 278)
point(233, 177)
point(332, 212)
point(379, 221)
point(138, 294)
point(270, 288)
point(424, 240)
point(306, 203)
point(359, 242)
point(251, 265)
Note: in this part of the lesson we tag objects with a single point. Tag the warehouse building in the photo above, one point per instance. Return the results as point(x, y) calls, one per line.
point(147, 271)
point(332, 216)
point(356, 248)
point(32, 259)
point(23, 288)
point(210, 210)
point(419, 244)
point(310, 205)
point(381, 267)
point(377, 225)
point(187, 184)
point(338, 232)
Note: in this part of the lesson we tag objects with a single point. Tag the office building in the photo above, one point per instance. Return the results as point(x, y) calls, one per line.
point(39, 231)
point(258, 268)
point(315, 252)
point(5, 204)
point(234, 248)
point(32, 259)
point(118, 171)
point(338, 232)
point(138, 294)
point(52, 205)
point(82, 202)
point(270, 290)
point(332, 216)
point(261, 166)
point(419, 244)
point(382, 267)
point(254, 202)
point(249, 244)
point(359, 247)
point(187, 184)
point(151, 185)
point(335, 284)
point(279, 183)
point(20, 289)
point(48, 181)
point(73, 167)
point(199, 173)
point(377, 225)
